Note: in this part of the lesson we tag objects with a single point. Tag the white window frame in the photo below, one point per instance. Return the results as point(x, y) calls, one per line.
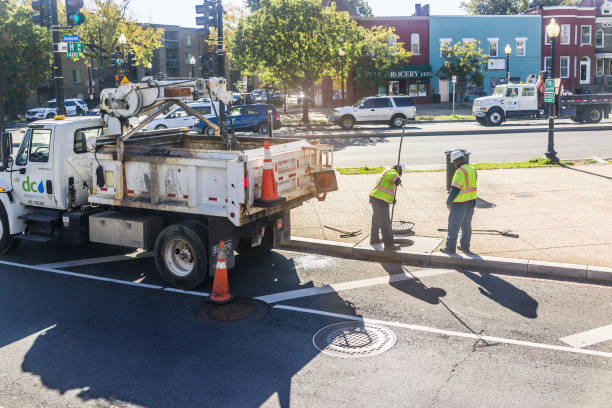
point(468, 40)
point(516, 51)
point(416, 36)
point(599, 73)
point(496, 41)
point(188, 41)
point(603, 38)
point(588, 79)
point(450, 44)
point(567, 66)
point(590, 34)
point(568, 33)
point(548, 66)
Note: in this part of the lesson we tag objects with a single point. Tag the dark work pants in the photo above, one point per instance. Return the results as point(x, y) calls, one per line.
point(460, 217)
point(381, 221)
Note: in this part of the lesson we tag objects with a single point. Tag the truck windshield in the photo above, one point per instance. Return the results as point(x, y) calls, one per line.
point(21, 158)
point(499, 90)
point(359, 102)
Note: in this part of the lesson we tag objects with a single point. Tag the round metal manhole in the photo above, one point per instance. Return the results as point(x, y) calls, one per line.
point(354, 339)
point(239, 310)
point(402, 227)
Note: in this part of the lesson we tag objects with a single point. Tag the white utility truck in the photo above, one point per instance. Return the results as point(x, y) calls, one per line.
point(526, 101)
point(174, 191)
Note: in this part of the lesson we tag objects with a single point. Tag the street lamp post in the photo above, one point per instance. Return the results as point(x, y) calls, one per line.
point(553, 30)
point(508, 51)
point(192, 61)
point(342, 54)
point(122, 40)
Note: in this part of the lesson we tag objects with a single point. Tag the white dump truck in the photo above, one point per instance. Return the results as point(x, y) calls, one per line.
point(174, 191)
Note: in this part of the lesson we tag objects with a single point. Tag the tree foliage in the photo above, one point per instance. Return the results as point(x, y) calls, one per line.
point(381, 52)
point(465, 60)
point(106, 20)
point(362, 7)
point(503, 7)
point(25, 52)
point(295, 41)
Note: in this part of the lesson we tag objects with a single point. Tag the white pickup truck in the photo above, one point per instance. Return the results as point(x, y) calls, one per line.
point(521, 101)
point(173, 191)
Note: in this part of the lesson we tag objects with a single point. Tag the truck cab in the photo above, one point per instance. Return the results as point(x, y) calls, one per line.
point(507, 101)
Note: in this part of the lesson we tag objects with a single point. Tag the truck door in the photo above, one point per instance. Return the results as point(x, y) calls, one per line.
point(33, 182)
point(511, 99)
point(528, 100)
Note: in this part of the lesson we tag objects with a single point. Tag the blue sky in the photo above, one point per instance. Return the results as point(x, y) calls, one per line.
point(182, 12)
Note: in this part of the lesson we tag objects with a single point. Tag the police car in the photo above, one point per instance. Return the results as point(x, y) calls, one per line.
point(74, 107)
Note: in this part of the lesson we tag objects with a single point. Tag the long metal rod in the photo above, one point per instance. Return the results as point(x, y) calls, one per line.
point(399, 155)
point(58, 75)
point(198, 114)
point(159, 111)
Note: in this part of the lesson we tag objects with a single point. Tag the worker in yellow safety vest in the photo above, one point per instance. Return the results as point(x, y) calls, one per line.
point(461, 202)
point(381, 196)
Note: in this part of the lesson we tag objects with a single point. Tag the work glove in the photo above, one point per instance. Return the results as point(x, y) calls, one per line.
point(398, 182)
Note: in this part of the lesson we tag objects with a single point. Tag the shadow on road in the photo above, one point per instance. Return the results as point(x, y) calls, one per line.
point(584, 171)
point(138, 346)
point(505, 293)
point(343, 143)
point(414, 287)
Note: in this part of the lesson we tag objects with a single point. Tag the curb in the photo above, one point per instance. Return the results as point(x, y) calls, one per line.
point(327, 125)
point(527, 267)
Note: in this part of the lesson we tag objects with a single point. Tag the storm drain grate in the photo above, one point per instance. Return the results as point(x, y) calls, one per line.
point(354, 339)
point(239, 310)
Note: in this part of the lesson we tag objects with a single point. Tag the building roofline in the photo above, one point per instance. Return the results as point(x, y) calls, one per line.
point(394, 18)
point(568, 8)
point(489, 15)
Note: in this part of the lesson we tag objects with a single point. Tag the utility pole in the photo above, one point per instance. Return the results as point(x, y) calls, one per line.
point(1, 107)
point(221, 61)
point(58, 75)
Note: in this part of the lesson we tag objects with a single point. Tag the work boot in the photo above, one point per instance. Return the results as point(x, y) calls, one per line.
point(448, 251)
point(392, 247)
point(467, 251)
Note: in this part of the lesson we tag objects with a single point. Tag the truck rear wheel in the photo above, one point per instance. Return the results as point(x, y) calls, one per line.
point(594, 115)
point(495, 117)
point(7, 243)
point(181, 254)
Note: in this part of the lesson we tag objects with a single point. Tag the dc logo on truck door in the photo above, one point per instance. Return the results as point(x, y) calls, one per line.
point(31, 187)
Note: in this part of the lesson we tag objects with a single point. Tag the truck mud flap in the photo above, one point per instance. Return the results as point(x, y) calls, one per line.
point(220, 229)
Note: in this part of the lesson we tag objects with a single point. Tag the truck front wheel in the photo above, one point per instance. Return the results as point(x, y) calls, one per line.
point(495, 117)
point(594, 115)
point(181, 255)
point(7, 243)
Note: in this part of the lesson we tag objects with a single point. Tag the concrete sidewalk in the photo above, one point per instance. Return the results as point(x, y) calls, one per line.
point(560, 214)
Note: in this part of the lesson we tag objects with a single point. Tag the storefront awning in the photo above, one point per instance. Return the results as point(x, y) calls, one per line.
point(410, 72)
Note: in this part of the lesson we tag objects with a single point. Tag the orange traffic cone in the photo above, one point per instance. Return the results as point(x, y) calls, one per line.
point(269, 186)
point(220, 291)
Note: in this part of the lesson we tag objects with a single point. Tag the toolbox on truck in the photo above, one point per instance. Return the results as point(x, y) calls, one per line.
point(126, 229)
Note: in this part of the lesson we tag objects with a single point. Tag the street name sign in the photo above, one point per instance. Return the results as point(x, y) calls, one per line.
point(76, 47)
point(71, 38)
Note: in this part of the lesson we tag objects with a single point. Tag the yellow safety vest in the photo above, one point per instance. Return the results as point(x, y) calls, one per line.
point(465, 180)
point(385, 186)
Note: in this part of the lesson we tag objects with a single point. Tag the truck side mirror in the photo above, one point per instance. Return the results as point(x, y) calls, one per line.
point(6, 148)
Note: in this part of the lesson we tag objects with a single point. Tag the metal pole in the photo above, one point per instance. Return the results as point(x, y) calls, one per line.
point(508, 68)
point(453, 97)
point(342, 78)
point(58, 75)
point(551, 154)
point(1, 107)
point(220, 60)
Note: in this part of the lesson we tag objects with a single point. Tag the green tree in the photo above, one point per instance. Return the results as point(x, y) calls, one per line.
point(253, 4)
point(295, 41)
point(465, 60)
point(362, 7)
point(24, 54)
point(381, 52)
point(105, 21)
point(503, 7)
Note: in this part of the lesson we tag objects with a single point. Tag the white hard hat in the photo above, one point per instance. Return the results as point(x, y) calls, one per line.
point(456, 154)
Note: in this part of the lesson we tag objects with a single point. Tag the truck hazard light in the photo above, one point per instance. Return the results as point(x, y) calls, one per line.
point(325, 181)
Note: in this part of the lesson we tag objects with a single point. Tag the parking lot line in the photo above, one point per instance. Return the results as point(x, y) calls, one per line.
point(448, 332)
point(337, 287)
point(589, 337)
point(139, 254)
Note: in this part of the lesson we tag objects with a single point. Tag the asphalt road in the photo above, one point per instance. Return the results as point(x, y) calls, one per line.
point(71, 341)
point(428, 151)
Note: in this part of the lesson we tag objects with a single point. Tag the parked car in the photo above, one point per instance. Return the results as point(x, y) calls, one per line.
point(73, 106)
point(393, 110)
point(179, 117)
point(277, 98)
point(259, 96)
point(245, 118)
point(302, 97)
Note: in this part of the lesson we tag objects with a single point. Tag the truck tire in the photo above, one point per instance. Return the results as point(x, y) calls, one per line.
point(347, 122)
point(593, 115)
point(7, 243)
point(244, 247)
point(397, 121)
point(482, 121)
point(495, 117)
point(181, 254)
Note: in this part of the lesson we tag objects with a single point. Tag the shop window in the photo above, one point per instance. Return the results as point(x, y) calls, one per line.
point(564, 67)
point(445, 44)
point(547, 63)
point(493, 42)
point(585, 35)
point(521, 47)
point(415, 43)
point(565, 36)
point(599, 38)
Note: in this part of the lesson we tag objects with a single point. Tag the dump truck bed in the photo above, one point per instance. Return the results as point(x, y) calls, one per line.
point(191, 173)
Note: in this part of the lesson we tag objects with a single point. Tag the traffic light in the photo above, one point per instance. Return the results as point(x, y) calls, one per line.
point(207, 68)
point(74, 16)
point(43, 8)
point(131, 60)
point(209, 13)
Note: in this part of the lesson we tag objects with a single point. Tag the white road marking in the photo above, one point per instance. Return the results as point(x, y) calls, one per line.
point(448, 332)
point(337, 287)
point(589, 337)
point(139, 254)
point(600, 160)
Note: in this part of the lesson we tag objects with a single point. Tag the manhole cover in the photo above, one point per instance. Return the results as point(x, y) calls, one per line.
point(239, 310)
point(353, 339)
point(402, 227)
